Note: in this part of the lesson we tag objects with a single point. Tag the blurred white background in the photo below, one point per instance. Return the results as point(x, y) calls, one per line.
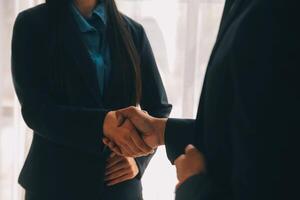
point(182, 34)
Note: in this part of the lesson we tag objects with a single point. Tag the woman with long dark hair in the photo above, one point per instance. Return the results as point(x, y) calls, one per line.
point(74, 61)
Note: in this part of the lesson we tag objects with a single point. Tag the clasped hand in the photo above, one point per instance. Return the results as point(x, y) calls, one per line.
point(132, 132)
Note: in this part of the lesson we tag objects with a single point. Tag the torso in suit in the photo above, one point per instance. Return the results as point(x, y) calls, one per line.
point(59, 95)
point(247, 111)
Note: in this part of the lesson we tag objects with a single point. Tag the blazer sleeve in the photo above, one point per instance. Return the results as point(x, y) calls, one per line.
point(197, 187)
point(75, 127)
point(154, 98)
point(178, 134)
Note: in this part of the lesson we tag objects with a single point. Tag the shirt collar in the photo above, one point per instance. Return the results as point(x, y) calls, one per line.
point(100, 12)
point(82, 22)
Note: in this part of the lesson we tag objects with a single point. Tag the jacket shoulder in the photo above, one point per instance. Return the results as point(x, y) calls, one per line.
point(137, 31)
point(36, 16)
point(132, 24)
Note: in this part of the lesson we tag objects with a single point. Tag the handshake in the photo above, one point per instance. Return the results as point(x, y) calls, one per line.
point(131, 132)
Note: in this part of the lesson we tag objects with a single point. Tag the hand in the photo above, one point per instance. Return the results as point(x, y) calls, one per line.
point(125, 137)
point(120, 169)
point(151, 129)
point(189, 164)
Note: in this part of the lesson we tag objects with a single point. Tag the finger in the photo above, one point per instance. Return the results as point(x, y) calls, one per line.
point(145, 112)
point(128, 138)
point(127, 113)
point(138, 151)
point(113, 154)
point(140, 144)
point(108, 142)
point(116, 150)
point(136, 116)
point(124, 149)
point(120, 118)
point(116, 174)
point(113, 161)
point(133, 151)
point(119, 180)
point(127, 146)
point(105, 141)
point(128, 149)
point(191, 149)
point(139, 119)
point(124, 143)
point(179, 160)
point(113, 147)
point(117, 167)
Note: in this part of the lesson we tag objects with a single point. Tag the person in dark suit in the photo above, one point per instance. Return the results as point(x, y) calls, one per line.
point(247, 123)
point(72, 63)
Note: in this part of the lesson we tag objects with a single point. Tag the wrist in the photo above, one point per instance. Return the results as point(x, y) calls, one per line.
point(160, 125)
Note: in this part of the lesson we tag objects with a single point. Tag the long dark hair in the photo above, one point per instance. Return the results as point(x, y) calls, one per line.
point(124, 54)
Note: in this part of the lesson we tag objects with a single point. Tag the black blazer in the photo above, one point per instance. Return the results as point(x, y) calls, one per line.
point(60, 101)
point(248, 111)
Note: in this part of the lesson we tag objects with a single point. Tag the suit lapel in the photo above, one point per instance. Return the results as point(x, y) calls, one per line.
point(231, 9)
point(227, 9)
point(76, 49)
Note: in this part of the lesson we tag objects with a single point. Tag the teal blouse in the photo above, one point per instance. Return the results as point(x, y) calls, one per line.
point(93, 32)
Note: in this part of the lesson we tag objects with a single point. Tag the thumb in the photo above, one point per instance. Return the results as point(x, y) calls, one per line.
point(190, 148)
point(127, 113)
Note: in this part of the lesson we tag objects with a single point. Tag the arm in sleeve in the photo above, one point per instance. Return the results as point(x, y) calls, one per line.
point(197, 187)
point(75, 127)
point(178, 134)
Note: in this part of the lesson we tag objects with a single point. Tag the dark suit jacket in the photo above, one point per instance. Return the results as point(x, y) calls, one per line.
point(248, 109)
point(60, 101)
